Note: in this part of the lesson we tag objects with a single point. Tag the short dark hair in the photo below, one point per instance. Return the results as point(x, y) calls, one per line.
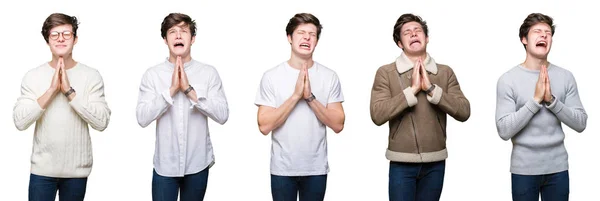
point(406, 18)
point(303, 18)
point(533, 19)
point(174, 19)
point(58, 19)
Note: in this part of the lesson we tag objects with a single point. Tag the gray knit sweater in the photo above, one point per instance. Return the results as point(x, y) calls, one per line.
point(535, 129)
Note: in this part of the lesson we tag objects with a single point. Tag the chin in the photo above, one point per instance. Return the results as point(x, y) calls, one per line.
point(304, 52)
point(61, 54)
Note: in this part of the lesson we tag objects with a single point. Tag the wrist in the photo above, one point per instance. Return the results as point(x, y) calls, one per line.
point(188, 89)
point(69, 92)
point(549, 102)
point(430, 89)
point(173, 90)
point(310, 98)
point(296, 97)
point(537, 100)
point(53, 90)
point(415, 90)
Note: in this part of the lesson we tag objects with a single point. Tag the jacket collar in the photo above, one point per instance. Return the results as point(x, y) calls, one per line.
point(404, 64)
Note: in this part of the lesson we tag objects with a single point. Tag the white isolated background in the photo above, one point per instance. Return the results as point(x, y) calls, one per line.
point(242, 39)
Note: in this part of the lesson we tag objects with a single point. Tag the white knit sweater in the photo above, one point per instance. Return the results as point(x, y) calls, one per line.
point(61, 143)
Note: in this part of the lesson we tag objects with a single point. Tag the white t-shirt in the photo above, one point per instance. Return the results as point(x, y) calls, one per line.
point(299, 145)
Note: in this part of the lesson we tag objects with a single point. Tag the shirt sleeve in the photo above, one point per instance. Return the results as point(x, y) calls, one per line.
point(335, 94)
point(151, 104)
point(212, 101)
point(266, 94)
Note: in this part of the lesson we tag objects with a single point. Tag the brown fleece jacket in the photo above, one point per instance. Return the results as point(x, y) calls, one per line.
point(417, 122)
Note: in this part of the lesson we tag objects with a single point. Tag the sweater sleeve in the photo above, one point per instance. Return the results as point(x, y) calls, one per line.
point(571, 112)
point(91, 105)
point(510, 119)
point(27, 110)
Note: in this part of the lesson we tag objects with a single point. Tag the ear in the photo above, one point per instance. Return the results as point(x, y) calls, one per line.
point(289, 37)
point(75, 40)
point(426, 40)
point(400, 44)
point(524, 41)
point(165, 39)
point(193, 40)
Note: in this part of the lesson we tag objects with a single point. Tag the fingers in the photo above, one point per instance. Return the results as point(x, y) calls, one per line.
point(542, 78)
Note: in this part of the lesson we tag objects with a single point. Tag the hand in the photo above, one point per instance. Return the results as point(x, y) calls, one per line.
point(65, 86)
point(425, 83)
point(175, 79)
point(183, 79)
point(416, 77)
point(307, 92)
point(547, 92)
point(540, 87)
point(298, 92)
point(55, 85)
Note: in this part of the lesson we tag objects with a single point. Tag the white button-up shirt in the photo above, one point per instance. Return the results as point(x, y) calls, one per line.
point(182, 137)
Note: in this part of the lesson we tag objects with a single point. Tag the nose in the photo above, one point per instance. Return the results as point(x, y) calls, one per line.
point(60, 38)
point(306, 36)
point(413, 33)
point(178, 34)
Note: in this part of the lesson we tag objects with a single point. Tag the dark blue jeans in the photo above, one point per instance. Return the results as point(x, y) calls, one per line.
point(311, 188)
point(43, 188)
point(416, 181)
point(552, 187)
point(192, 187)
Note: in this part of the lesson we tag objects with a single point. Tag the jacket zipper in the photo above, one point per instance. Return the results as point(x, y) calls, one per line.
point(413, 122)
point(415, 134)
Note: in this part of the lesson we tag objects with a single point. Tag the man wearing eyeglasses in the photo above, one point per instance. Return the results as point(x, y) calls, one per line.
point(63, 97)
point(181, 93)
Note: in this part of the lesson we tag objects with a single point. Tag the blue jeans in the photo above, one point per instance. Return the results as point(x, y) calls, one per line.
point(43, 188)
point(311, 188)
point(553, 187)
point(192, 187)
point(416, 181)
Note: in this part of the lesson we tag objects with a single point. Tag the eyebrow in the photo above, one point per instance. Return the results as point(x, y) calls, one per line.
point(408, 29)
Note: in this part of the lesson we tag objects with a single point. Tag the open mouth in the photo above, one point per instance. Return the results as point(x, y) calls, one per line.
point(414, 42)
point(541, 44)
point(178, 44)
point(305, 45)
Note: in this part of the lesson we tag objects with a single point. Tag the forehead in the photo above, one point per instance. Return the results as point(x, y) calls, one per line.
point(60, 28)
point(181, 25)
point(308, 27)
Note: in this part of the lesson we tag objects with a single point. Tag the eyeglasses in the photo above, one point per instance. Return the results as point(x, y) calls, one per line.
point(65, 34)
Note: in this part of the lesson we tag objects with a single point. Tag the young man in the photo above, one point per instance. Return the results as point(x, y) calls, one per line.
point(533, 99)
point(62, 96)
point(296, 100)
point(415, 94)
point(181, 94)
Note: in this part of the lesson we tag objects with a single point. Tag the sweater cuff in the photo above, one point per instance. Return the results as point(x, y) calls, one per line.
point(411, 99)
point(555, 106)
point(533, 106)
point(76, 102)
point(166, 94)
point(436, 95)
